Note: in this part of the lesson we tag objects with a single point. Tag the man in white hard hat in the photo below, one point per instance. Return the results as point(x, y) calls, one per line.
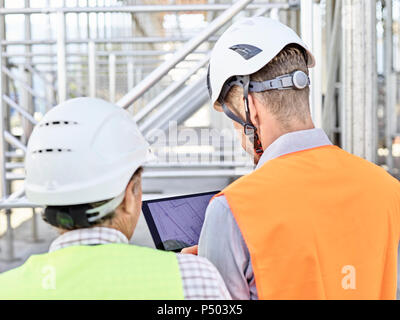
point(312, 221)
point(83, 163)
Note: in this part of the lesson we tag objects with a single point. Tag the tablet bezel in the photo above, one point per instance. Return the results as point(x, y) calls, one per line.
point(149, 218)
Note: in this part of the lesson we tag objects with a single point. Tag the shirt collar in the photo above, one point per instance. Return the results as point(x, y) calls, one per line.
point(294, 142)
point(88, 236)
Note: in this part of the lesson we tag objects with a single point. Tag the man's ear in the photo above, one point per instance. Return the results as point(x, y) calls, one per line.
point(254, 106)
point(129, 201)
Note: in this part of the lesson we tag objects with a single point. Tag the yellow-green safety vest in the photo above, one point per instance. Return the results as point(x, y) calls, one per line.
point(110, 271)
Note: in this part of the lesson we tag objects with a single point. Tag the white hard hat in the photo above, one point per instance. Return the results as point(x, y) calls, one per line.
point(245, 48)
point(84, 150)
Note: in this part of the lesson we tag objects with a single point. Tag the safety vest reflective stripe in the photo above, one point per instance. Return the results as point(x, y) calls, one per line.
point(112, 271)
point(320, 224)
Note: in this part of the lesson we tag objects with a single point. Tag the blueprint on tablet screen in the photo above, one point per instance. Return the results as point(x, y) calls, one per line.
point(179, 221)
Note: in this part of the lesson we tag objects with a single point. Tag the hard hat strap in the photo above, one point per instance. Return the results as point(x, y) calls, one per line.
point(231, 115)
point(249, 129)
point(244, 82)
point(100, 212)
point(80, 216)
point(296, 80)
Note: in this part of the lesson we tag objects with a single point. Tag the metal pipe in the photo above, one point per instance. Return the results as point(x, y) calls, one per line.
point(14, 165)
point(169, 90)
point(329, 114)
point(193, 173)
point(359, 78)
point(35, 233)
point(390, 87)
point(190, 46)
point(200, 165)
point(311, 34)
point(179, 97)
point(61, 58)
point(44, 78)
point(102, 53)
point(9, 255)
point(141, 8)
point(12, 154)
point(20, 109)
point(185, 110)
point(112, 77)
point(10, 176)
point(3, 182)
point(14, 141)
point(16, 195)
point(23, 83)
point(25, 100)
point(26, 97)
point(316, 90)
point(92, 69)
point(148, 174)
point(135, 40)
point(17, 204)
point(50, 91)
point(130, 74)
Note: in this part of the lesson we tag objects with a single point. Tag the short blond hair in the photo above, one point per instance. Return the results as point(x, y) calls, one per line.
point(285, 105)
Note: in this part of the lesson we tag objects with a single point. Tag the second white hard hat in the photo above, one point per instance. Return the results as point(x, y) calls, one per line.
point(246, 47)
point(84, 150)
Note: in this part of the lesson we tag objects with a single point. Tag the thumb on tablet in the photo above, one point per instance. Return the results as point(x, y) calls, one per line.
point(190, 250)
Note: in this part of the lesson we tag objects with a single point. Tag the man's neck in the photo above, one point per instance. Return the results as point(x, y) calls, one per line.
point(293, 142)
point(273, 135)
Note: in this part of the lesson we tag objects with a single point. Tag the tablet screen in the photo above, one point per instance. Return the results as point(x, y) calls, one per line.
point(176, 223)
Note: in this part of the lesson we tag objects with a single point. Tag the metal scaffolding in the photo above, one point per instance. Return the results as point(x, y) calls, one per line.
point(95, 64)
point(359, 78)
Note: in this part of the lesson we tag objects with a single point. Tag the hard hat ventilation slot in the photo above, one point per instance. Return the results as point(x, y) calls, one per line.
point(59, 123)
point(56, 150)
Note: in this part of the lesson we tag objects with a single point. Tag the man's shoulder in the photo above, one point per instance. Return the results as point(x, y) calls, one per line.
point(19, 274)
point(11, 273)
point(219, 213)
point(363, 174)
point(372, 171)
point(219, 203)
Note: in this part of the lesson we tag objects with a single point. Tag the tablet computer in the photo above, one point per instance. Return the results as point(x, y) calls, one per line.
point(175, 223)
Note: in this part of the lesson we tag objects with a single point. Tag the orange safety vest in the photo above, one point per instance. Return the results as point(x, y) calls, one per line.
point(320, 224)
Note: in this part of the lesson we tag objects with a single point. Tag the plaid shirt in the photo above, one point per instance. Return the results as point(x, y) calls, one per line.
point(200, 279)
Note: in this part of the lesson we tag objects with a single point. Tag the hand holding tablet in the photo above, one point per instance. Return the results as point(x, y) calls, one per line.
point(191, 250)
point(175, 223)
